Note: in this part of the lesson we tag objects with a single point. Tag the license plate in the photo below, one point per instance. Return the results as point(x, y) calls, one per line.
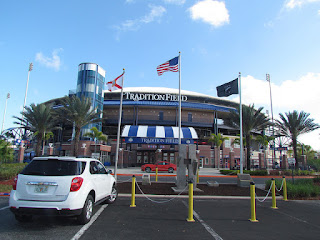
point(41, 189)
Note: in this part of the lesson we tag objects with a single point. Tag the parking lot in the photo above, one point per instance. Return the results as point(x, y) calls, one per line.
point(214, 219)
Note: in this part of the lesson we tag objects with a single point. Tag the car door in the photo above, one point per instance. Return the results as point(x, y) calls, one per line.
point(161, 166)
point(97, 180)
point(105, 180)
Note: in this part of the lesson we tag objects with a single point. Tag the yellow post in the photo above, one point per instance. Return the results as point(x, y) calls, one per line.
point(198, 175)
point(156, 174)
point(253, 202)
point(190, 210)
point(273, 190)
point(285, 195)
point(133, 192)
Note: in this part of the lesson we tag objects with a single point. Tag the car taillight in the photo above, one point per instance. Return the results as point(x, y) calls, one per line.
point(14, 185)
point(76, 184)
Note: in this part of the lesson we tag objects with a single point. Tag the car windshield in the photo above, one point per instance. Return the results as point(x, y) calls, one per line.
point(54, 167)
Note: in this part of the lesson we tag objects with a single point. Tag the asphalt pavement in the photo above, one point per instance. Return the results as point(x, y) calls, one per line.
point(159, 218)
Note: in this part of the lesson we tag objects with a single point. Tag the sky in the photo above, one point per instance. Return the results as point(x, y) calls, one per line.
point(217, 40)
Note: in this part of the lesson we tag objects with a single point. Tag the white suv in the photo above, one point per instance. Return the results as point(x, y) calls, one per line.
point(66, 186)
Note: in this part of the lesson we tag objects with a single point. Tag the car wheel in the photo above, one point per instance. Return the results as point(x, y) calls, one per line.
point(23, 218)
point(170, 170)
point(87, 210)
point(113, 196)
point(148, 170)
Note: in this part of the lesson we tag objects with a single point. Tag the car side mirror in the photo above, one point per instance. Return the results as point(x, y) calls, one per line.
point(109, 171)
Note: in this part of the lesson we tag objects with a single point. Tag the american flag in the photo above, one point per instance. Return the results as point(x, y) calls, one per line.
point(171, 65)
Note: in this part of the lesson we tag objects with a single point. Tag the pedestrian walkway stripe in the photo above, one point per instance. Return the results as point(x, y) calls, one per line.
point(86, 227)
point(205, 225)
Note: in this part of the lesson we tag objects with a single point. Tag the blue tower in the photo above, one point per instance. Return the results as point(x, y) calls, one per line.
point(91, 79)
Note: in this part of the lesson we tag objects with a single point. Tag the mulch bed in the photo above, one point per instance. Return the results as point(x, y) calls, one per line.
point(166, 189)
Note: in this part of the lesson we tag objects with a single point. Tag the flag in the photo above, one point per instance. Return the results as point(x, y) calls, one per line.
point(171, 65)
point(115, 84)
point(228, 89)
point(8, 95)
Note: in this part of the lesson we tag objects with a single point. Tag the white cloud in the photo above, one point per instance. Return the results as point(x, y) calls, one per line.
point(178, 2)
point(301, 95)
point(291, 4)
point(50, 62)
point(210, 11)
point(155, 14)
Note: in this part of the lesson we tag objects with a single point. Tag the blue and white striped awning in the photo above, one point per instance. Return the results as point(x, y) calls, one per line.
point(159, 132)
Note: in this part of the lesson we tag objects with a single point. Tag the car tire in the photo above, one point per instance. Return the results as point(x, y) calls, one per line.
point(23, 218)
point(113, 196)
point(148, 170)
point(170, 170)
point(87, 211)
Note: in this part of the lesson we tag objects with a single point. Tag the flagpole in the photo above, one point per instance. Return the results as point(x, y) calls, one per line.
point(119, 126)
point(179, 98)
point(241, 135)
point(274, 147)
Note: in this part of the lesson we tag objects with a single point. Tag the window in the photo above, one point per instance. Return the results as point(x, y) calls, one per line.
point(189, 117)
point(161, 116)
point(54, 167)
point(207, 161)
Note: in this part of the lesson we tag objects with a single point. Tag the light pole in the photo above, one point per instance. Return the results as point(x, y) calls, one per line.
point(5, 110)
point(274, 146)
point(25, 95)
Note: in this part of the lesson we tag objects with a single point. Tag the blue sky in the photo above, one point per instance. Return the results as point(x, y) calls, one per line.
point(217, 40)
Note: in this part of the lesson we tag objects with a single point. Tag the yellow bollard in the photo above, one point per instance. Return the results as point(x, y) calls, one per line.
point(190, 210)
point(253, 202)
point(156, 174)
point(285, 195)
point(273, 190)
point(133, 192)
point(198, 175)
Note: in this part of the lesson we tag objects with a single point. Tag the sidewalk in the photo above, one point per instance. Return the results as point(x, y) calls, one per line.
point(137, 172)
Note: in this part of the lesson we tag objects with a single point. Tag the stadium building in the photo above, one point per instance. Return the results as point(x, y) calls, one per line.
point(149, 126)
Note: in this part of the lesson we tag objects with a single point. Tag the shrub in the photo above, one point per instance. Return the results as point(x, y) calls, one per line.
point(10, 170)
point(302, 188)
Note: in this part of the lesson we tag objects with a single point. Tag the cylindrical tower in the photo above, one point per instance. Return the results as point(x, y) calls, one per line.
point(91, 79)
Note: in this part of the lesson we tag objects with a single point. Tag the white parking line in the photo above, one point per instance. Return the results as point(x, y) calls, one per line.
point(86, 226)
point(205, 225)
point(4, 208)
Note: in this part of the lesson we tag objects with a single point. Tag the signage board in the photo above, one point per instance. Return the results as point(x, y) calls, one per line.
point(170, 141)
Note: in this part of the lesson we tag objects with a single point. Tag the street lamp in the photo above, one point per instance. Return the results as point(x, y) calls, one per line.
point(5, 110)
point(25, 95)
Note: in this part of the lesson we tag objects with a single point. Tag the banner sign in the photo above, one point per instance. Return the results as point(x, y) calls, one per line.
point(158, 140)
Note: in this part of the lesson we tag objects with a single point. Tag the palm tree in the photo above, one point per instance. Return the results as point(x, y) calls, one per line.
point(96, 135)
point(217, 140)
point(252, 121)
point(78, 112)
point(294, 124)
point(38, 119)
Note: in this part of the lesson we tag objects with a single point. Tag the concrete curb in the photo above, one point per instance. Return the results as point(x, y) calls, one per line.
point(194, 196)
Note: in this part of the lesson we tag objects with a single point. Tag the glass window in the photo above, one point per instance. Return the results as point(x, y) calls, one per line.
point(54, 167)
point(207, 161)
point(161, 116)
point(101, 169)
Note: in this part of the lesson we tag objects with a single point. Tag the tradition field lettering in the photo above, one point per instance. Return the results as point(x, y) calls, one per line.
point(154, 97)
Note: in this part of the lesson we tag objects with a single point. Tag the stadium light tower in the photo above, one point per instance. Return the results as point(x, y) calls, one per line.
point(25, 95)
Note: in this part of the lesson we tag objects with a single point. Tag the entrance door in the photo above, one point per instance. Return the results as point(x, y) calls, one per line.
point(201, 163)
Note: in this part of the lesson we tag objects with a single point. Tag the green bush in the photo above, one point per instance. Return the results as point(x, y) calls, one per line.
point(10, 170)
point(229, 172)
point(253, 173)
point(302, 188)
